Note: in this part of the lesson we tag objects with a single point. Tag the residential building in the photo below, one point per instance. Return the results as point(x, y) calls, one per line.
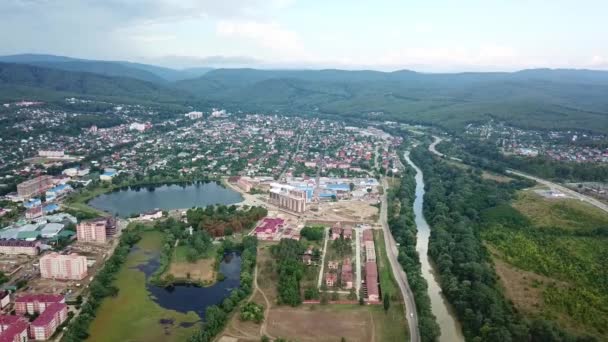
point(65, 267)
point(336, 230)
point(14, 247)
point(51, 154)
point(346, 275)
point(43, 327)
point(5, 298)
point(35, 303)
point(288, 197)
point(151, 215)
point(13, 329)
point(331, 279)
point(35, 186)
point(333, 265)
point(368, 235)
point(347, 233)
point(194, 115)
point(371, 281)
point(96, 230)
point(33, 213)
point(370, 251)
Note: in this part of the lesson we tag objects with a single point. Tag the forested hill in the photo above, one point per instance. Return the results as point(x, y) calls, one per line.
point(20, 80)
point(144, 72)
point(539, 98)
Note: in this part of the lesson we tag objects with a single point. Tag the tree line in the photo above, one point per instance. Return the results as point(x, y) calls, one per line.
point(221, 220)
point(403, 228)
point(216, 316)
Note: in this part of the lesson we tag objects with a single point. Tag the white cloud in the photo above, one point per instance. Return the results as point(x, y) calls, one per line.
point(269, 35)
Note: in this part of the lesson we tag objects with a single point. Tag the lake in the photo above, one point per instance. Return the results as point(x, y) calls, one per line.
point(140, 199)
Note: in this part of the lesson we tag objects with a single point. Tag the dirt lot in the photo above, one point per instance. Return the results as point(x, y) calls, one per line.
point(203, 270)
point(318, 323)
point(345, 211)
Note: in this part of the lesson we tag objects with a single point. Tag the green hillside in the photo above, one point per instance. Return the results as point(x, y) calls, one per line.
point(546, 99)
point(20, 80)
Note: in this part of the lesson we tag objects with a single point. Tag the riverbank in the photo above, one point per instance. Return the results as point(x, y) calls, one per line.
point(442, 310)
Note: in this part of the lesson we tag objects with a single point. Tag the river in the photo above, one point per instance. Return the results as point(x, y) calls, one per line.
point(442, 309)
point(138, 199)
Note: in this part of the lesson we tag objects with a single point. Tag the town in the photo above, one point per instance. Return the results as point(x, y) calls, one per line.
point(315, 178)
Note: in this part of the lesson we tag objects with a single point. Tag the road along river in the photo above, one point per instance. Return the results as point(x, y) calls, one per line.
point(443, 311)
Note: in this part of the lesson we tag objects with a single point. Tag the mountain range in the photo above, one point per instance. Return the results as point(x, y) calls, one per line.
point(536, 98)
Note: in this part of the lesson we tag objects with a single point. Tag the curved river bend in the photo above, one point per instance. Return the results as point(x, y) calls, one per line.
point(442, 309)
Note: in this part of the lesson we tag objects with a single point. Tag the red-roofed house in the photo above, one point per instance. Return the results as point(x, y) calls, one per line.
point(371, 281)
point(336, 230)
point(368, 235)
point(347, 274)
point(267, 229)
point(331, 279)
point(35, 303)
point(45, 325)
point(347, 233)
point(13, 329)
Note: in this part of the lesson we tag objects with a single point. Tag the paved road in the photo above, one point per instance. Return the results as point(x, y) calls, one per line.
point(569, 192)
point(551, 185)
point(434, 150)
point(400, 276)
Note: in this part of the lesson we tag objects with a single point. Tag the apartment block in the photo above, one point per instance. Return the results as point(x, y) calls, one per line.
point(65, 267)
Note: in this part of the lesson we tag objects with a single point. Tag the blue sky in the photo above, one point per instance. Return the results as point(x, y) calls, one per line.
point(440, 35)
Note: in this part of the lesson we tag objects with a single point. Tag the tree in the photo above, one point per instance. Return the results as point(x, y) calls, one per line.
point(386, 302)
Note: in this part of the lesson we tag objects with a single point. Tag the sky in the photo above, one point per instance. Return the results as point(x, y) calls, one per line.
point(431, 35)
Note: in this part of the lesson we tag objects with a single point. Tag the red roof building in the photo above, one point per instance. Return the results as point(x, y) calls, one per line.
point(346, 275)
point(331, 279)
point(45, 325)
point(368, 235)
point(268, 228)
point(371, 281)
point(13, 329)
point(36, 303)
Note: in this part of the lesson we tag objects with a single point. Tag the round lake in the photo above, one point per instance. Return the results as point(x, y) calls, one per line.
point(135, 200)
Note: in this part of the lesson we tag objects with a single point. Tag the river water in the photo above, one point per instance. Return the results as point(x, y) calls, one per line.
point(442, 309)
point(135, 200)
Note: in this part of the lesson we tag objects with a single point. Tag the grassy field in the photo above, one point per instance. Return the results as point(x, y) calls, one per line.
point(555, 265)
point(202, 270)
point(560, 213)
point(132, 315)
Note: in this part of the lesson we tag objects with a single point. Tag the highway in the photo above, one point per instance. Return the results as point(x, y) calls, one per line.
point(551, 185)
point(392, 252)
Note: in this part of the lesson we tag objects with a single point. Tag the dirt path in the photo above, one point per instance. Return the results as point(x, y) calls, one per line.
point(373, 337)
point(267, 310)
